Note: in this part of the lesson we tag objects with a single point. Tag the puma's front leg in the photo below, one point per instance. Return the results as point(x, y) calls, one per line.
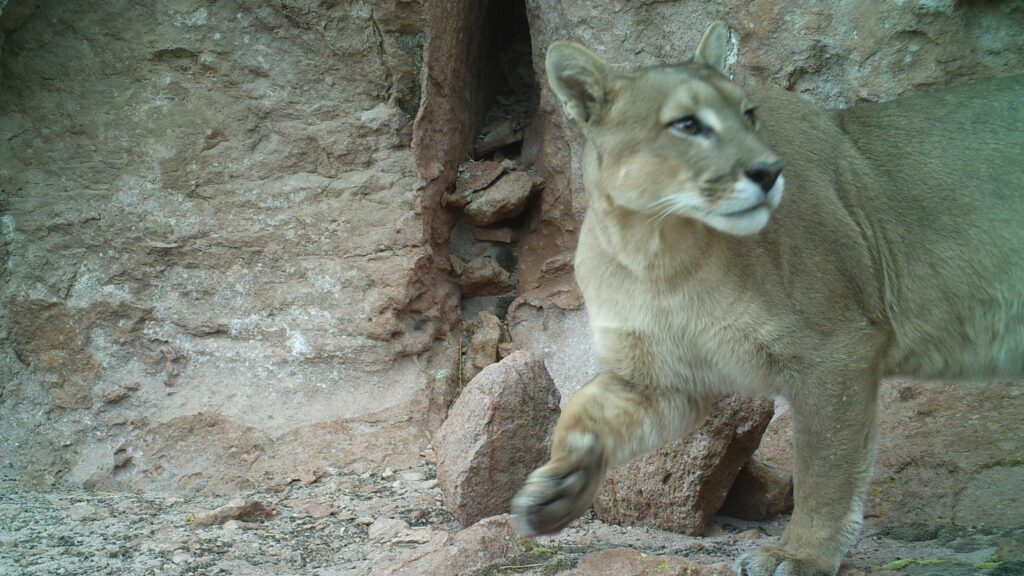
point(606, 423)
point(835, 429)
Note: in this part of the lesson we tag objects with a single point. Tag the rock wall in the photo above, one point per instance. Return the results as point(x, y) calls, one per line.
point(224, 243)
point(218, 257)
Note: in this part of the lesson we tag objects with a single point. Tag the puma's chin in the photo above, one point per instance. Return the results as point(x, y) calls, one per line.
point(747, 210)
point(744, 223)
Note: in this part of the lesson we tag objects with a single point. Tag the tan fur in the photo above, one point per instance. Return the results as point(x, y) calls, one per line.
point(897, 249)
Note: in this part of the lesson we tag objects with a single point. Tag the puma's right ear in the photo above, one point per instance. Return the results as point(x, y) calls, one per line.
point(579, 78)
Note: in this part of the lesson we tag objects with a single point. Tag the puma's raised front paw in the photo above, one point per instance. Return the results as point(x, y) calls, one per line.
point(560, 491)
point(778, 562)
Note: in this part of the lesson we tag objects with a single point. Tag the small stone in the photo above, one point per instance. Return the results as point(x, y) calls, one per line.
point(504, 199)
point(475, 176)
point(484, 332)
point(239, 509)
point(505, 349)
point(457, 264)
point(114, 395)
point(82, 512)
point(412, 476)
point(313, 507)
point(483, 277)
point(416, 536)
point(479, 545)
point(498, 134)
point(387, 529)
point(387, 473)
point(181, 557)
point(504, 235)
point(364, 520)
point(306, 476)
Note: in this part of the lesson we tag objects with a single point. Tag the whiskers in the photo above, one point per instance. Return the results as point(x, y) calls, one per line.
point(672, 205)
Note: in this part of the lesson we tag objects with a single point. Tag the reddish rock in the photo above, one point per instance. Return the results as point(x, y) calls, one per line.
point(483, 277)
point(629, 562)
point(503, 199)
point(947, 452)
point(484, 332)
point(760, 491)
point(680, 486)
point(455, 554)
point(496, 433)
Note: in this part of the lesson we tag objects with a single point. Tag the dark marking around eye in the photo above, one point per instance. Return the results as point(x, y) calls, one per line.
point(750, 114)
point(690, 125)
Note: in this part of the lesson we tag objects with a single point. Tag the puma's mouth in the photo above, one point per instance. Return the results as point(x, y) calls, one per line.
point(747, 211)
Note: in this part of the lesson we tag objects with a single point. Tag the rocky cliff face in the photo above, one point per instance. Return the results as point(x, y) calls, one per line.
point(216, 246)
point(225, 240)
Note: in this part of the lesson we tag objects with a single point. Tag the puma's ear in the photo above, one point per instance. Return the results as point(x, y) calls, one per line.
point(712, 48)
point(579, 78)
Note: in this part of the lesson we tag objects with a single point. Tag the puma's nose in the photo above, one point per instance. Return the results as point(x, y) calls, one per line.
point(765, 174)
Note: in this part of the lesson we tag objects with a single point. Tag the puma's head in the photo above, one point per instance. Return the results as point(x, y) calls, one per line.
point(670, 140)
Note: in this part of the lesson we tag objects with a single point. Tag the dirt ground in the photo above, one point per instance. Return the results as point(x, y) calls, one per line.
point(355, 524)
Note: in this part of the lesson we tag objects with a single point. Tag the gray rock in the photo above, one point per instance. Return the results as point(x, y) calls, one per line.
point(495, 435)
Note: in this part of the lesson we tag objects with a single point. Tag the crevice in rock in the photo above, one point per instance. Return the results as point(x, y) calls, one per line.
point(479, 99)
point(493, 188)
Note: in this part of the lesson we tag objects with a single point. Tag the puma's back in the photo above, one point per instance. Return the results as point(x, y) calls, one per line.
point(946, 216)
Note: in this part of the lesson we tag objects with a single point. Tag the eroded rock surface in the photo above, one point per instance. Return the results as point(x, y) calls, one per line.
point(214, 213)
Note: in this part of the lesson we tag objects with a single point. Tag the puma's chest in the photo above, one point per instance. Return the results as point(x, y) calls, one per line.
point(678, 334)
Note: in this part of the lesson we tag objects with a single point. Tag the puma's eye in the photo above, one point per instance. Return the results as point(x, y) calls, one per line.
point(750, 115)
point(690, 125)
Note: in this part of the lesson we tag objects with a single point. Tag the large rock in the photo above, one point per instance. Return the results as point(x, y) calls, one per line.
point(455, 554)
point(948, 452)
point(680, 486)
point(496, 433)
point(215, 215)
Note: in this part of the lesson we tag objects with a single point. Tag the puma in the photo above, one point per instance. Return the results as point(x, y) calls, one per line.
point(745, 241)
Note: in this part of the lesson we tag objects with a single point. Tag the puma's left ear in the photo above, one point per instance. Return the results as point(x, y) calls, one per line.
point(712, 48)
